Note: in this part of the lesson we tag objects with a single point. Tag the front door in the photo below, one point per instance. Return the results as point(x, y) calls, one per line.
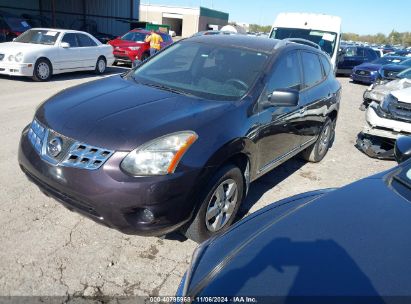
point(279, 126)
point(69, 59)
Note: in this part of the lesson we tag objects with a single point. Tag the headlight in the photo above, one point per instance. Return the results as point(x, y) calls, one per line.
point(134, 48)
point(18, 57)
point(385, 105)
point(11, 58)
point(159, 156)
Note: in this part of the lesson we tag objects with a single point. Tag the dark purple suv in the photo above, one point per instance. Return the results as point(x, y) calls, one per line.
point(174, 143)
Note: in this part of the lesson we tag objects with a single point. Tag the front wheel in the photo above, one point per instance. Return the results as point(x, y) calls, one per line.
point(218, 209)
point(42, 70)
point(317, 151)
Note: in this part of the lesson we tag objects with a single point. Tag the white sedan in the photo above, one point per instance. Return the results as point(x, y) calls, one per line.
point(41, 53)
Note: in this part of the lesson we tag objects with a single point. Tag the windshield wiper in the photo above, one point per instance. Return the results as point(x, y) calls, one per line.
point(165, 88)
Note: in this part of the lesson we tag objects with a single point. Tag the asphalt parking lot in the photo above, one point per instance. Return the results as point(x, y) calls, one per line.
point(47, 250)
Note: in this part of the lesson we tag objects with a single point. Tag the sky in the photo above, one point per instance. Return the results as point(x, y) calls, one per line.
point(358, 16)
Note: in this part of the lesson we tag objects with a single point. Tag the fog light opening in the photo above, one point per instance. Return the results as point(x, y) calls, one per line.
point(147, 216)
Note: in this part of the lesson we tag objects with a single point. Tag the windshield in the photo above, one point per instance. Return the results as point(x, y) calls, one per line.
point(405, 74)
point(385, 60)
point(326, 40)
point(206, 71)
point(17, 24)
point(134, 36)
point(38, 37)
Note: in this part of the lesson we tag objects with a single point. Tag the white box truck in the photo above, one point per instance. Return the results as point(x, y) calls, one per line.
point(324, 30)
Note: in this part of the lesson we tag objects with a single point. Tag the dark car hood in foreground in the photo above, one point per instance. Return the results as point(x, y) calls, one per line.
point(120, 114)
point(368, 67)
point(349, 242)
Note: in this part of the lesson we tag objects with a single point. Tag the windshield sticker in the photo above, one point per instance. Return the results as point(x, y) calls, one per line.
point(409, 174)
point(316, 33)
point(25, 24)
point(50, 33)
point(396, 60)
point(328, 37)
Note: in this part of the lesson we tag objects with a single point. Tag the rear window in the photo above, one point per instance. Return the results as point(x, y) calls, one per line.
point(326, 65)
point(311, 69)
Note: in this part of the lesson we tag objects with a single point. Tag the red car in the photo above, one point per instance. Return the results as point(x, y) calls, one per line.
point(132, 45)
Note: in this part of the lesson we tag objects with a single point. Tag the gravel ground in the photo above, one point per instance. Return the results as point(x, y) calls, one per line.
point(49, 251)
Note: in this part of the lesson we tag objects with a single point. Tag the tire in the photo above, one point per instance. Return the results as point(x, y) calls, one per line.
point(316, 152)
point(101, 65)
point(212, 217)
point(42, 70)
point(144, 56)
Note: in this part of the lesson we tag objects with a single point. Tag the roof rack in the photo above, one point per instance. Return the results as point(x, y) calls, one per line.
point(297, 40)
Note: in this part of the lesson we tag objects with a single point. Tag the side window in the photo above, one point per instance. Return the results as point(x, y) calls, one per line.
point(311, 69)
point(371, 54)
point(350, 52)
point(85, 40)
point(286, 74)
point(326, 65)
point(360, 52)
point(70, 38)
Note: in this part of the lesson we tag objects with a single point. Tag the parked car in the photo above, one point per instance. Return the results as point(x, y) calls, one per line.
point(131, 45)
point(380, 89)
point(390, 71)
point(368, 72)
point(11, 26)
point(38, 21)
point(352, 56)
point(388, 49)
point(40, 53)
point(347, 245)
point(385, 122)
point(90, 26)
point(176, 142)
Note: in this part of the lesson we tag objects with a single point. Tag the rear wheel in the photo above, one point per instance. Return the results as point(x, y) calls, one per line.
point(317, 151)
point(220, 204)
point(42, 70)
point(100, 65)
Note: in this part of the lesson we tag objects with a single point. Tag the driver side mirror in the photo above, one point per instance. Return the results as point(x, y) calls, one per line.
point(65, 45)
point(284, 97)
point(402, 149)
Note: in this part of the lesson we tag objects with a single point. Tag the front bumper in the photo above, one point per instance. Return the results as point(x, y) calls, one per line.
point(16, 69)
point(368, 79)
point(384, 127)
point(112, 198)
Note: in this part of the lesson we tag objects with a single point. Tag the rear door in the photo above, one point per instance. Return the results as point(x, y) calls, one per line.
point(315, 96)
point(353, 56)
point(88, 51)
point(278, 134)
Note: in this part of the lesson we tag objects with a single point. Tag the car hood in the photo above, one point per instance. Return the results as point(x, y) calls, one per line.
point(125, 43)
point(368, 67)
point(403, 95)
point(15, 47)
point(349, 242)
point(120, 114)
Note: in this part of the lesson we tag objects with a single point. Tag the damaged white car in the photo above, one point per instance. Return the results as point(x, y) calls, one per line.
point(384, 123)
point(379, 90)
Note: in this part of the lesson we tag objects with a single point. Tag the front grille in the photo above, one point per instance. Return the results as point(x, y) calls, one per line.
point(1, 57)
point(87, 157)
point(68, 152)
point(363, 73)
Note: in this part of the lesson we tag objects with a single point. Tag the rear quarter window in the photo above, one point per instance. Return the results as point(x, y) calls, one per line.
point(326, 65)
point(312, 70)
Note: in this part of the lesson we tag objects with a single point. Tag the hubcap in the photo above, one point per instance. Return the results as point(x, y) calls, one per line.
point(43, 70)
point(101, 65)
point(324, 138)
point(221, 205)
